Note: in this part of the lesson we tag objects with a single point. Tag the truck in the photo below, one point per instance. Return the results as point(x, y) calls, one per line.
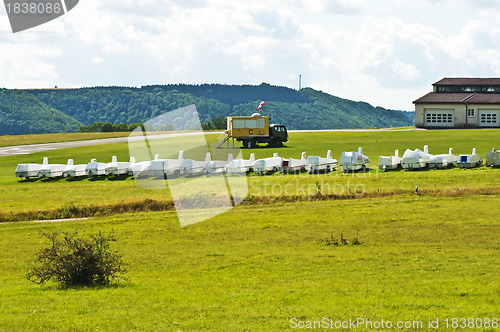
point(251, 130)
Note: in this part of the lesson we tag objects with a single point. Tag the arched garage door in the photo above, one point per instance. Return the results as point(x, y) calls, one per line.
point(439, 118)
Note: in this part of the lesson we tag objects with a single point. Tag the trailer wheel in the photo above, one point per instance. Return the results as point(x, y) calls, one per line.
point(277, 143)
point(245, 144)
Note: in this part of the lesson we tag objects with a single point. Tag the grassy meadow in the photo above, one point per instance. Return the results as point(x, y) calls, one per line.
point(39, 196)
point(255, 267)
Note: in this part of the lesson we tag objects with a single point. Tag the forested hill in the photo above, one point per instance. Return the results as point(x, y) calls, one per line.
point(304, 109)
point(22, 113)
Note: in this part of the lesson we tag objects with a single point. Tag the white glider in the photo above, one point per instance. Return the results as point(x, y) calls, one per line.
point(95, 168)
point(389, 162)
point(217, 166)
point(241, 165)
point(140, 168)
point(316, 163)
point(72, 170)
point(29, 170)
point(191, 167)
point(295, 165)
point(469, 160)
point(416, 159)
point(443, 160)
point(354, 161)
point(271, 164)
point(116, 167)
point(51, 170)
point(170, 166)
point(161, 168)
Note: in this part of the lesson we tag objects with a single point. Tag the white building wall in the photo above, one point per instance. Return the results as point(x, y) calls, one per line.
point(484, 108)
point(459, 114)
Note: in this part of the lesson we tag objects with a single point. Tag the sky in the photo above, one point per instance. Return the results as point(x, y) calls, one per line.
point(384, 52)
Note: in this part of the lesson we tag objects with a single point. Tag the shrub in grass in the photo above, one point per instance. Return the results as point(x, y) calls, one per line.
point(73, 260)
point(355, 241)
point(342, 240)
point(332, 241)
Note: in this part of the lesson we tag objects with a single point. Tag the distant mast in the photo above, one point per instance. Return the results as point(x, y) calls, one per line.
point(300, 82)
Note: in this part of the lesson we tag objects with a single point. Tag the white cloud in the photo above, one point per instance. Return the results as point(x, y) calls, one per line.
point(97, 60)
point(413, 3)
point(27, 65)
point(405, 70)
point(334, 6)
point(385, 53)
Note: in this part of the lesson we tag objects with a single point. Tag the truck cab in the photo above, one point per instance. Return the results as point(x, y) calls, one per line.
point(278, 134)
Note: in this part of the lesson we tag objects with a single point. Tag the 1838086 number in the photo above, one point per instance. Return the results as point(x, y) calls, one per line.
point(33, 8)
point(471, 323)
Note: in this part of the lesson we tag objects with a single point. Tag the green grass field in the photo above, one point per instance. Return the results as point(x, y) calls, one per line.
point(261, 264)
point(50, 195)
point(255, 268)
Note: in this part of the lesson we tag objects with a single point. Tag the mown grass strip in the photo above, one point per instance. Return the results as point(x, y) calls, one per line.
point(150, 205)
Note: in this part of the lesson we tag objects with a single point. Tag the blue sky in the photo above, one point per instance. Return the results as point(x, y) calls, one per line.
point(386, 52)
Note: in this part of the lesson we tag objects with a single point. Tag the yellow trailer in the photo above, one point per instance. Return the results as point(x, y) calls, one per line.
point(254, 129)
point(246, 126)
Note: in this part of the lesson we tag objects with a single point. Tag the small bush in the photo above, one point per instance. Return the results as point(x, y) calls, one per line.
point(332, 241)
point(355, 241)
point(77, 261)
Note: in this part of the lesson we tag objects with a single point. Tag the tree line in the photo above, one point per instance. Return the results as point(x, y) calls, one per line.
point(108, 127)
point(217, 123)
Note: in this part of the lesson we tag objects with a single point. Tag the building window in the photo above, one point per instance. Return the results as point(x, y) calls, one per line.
point(470, 113)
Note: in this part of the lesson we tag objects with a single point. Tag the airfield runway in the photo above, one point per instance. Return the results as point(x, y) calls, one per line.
point(34, 148)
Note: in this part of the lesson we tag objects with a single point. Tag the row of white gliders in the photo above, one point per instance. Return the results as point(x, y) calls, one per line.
point(349, 162)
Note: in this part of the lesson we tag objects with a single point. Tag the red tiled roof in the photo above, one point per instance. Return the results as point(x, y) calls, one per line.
point(468, 81)
point(484, 98)
point(454, 98)
point(437, 98)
